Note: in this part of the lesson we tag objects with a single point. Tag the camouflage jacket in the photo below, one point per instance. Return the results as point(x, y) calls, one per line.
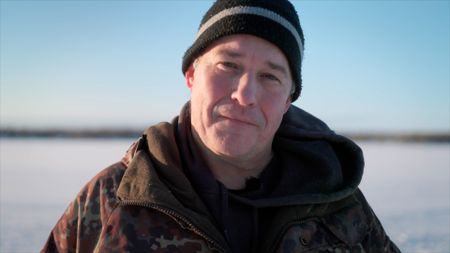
point(145, 203)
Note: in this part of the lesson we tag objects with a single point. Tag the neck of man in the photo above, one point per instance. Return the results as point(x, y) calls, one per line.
point(233, 172)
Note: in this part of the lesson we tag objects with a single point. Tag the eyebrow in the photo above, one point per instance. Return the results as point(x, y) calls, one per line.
point(231, 53)
point(277, 67)
point(272, 65)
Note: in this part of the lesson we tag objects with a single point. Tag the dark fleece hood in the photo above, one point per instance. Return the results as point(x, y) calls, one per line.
point(317, 165)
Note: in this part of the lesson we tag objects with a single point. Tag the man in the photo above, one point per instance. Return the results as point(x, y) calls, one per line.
point(240, 169)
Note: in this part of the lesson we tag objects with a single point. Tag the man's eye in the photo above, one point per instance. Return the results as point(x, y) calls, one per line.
point(228, 66)
point(270, 77)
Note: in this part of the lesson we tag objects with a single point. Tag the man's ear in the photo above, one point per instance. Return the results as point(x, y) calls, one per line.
point(189, 76)
point(288, 104)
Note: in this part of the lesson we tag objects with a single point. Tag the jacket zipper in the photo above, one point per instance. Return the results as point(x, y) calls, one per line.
point(182, 220)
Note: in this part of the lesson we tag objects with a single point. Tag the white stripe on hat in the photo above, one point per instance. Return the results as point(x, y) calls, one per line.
point(254, 11)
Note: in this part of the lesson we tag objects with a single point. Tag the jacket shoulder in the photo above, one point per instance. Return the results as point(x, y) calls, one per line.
point(376, 238)
point(347, 225)
point(99, 195)
point(81, 224)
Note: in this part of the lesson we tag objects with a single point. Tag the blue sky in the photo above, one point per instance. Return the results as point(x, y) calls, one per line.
point(369, 65)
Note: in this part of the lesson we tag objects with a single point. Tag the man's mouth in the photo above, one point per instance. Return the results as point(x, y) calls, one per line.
point(239, 120)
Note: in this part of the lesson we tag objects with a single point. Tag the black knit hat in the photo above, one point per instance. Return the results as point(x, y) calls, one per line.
point(273, 20)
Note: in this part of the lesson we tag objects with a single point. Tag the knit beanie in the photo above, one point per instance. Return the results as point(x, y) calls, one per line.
point(273, 20)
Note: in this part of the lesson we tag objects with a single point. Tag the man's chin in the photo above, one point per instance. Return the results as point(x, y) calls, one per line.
point(233, 152)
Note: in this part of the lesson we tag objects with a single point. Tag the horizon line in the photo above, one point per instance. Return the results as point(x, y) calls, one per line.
point(130, 132)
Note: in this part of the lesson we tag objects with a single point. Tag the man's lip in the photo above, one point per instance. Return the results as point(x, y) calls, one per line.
point(240, 120)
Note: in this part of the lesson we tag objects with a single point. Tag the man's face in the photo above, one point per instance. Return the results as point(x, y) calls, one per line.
point(240, 89)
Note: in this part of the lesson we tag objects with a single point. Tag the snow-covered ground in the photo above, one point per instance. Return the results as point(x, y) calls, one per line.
point(407, 185)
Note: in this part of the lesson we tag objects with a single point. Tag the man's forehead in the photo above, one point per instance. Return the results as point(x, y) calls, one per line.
point(229, 51)
point(239, 46)
point(242, 41)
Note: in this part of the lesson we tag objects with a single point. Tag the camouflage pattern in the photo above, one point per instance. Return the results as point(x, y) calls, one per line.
point(95, 222)
point(79, 228)
point(135, 229)
point(145, 204)
point(349, 229)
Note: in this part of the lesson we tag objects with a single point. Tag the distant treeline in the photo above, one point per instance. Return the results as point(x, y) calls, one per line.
point(132, 133)
point(69, 133)
point(399, 137)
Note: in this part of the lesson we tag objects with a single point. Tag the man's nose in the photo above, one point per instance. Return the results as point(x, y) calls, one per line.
point(245, 92)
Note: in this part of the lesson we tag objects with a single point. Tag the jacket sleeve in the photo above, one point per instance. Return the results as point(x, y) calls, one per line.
point(79, 227)
point(377, 239)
